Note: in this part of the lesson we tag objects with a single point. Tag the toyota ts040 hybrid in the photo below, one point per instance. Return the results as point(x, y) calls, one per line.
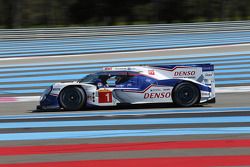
point(183, 85)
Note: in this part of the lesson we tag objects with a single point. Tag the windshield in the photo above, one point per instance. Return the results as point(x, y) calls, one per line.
point(101, 75)
point(107, 78)
point(89, 78)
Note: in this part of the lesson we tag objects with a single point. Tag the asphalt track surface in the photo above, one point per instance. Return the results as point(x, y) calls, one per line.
point(223, 100)
point(210, 135)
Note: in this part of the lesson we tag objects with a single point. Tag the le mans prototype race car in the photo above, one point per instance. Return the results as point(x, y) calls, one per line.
point(183, 85)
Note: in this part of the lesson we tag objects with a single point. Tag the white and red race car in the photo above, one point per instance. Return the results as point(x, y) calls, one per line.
point(183, 85)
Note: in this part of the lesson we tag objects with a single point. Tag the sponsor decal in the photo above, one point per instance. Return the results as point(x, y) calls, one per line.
point(151, 72)
point(108, 68)
point(184, 73)
point(104, 90)
point(205, 94)
point(156, 90)
point(157, 95)
point(99, 84)
point(208, 74)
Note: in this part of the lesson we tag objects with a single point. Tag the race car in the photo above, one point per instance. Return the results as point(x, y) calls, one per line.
point(183, 85)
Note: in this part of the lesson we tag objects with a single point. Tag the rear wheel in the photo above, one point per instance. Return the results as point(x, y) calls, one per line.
point(72, 98)
point(186, 94)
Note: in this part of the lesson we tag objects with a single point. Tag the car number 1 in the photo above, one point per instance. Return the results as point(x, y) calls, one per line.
point(105, 96)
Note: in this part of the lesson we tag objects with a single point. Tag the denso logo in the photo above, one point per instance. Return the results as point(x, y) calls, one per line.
point(157, 95)
point(184, 73)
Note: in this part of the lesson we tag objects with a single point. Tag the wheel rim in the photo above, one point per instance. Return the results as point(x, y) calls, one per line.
point(71, 99)
point(187, 94)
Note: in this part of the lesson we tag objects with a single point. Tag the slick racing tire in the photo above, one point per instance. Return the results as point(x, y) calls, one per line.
point(72, 98)
point(186, 94)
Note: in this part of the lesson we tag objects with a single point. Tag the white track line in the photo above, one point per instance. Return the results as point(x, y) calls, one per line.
point(126, 52)
point(235, 89)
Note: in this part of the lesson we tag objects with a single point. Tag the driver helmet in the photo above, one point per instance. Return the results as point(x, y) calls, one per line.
point(118, 79)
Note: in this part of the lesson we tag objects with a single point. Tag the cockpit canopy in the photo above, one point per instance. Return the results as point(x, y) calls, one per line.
point(118, 79)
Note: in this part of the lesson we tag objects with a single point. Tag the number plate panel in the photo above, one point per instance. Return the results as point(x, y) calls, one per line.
point(105, 96)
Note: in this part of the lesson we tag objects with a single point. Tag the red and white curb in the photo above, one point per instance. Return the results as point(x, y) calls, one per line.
point(238, 89)
point(19, 99)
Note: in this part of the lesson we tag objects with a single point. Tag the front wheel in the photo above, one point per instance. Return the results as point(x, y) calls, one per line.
point(186, 94)
point(72, 98)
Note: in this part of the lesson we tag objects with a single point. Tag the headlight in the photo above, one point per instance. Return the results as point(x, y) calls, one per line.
point(46, 92)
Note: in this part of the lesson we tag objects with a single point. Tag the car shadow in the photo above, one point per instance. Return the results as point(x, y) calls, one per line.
point(124, 107)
